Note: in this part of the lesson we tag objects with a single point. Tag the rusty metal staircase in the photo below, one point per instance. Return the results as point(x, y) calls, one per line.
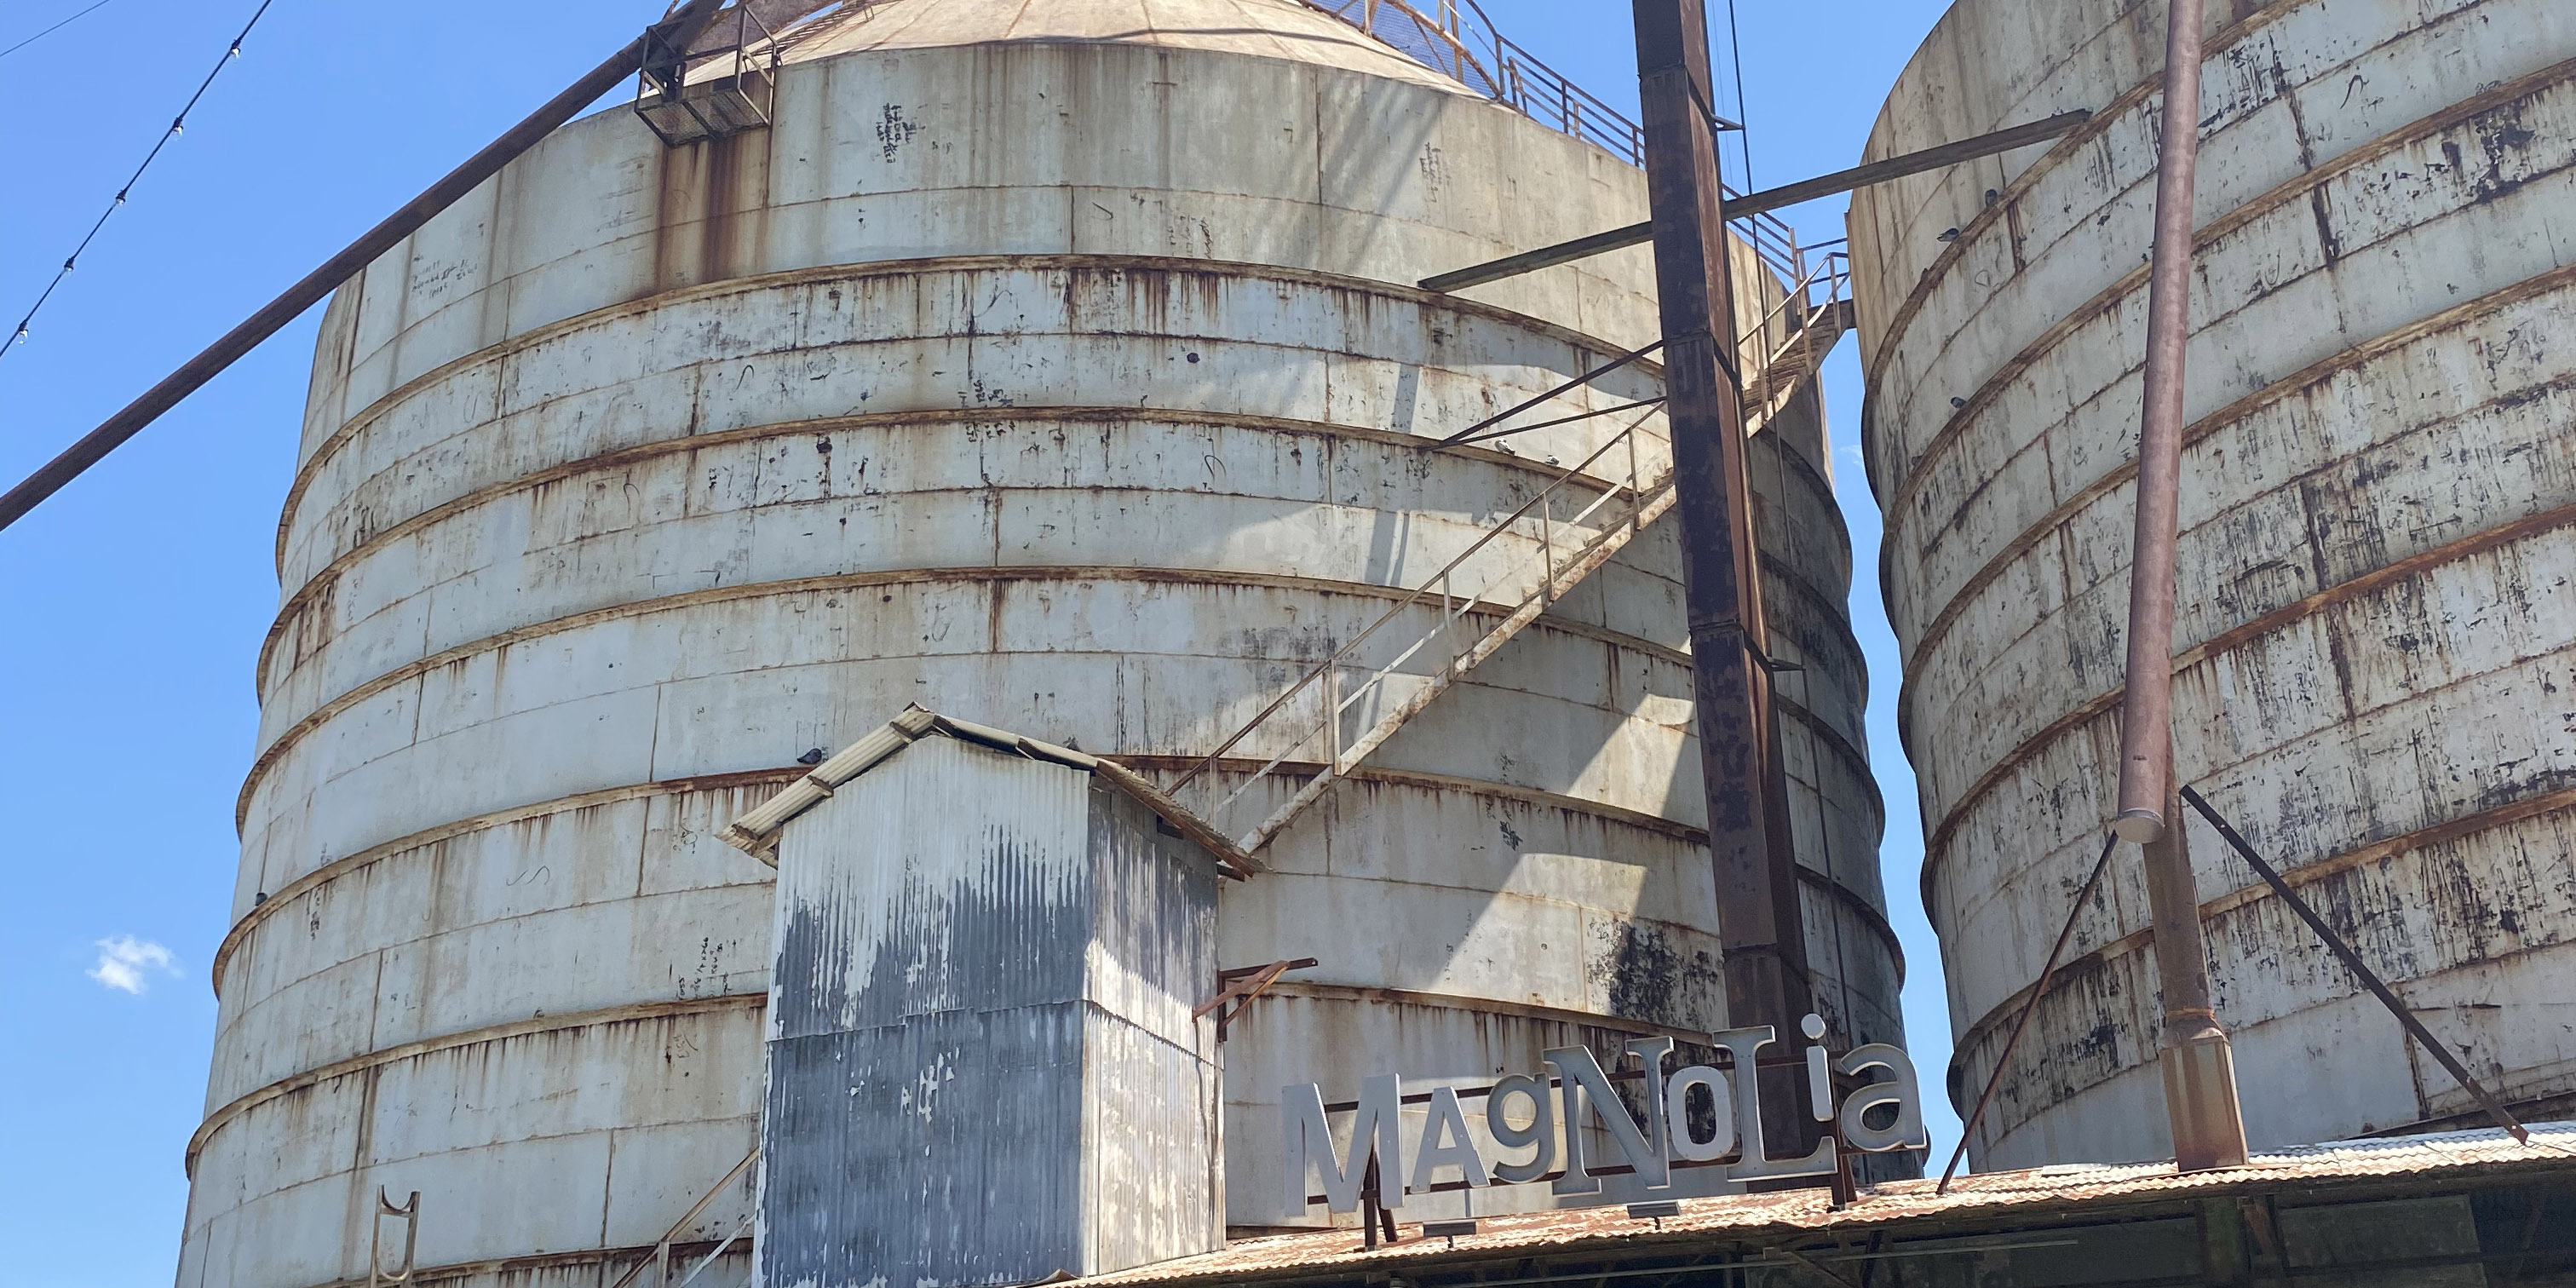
point(1347, 706)
point(1328, 722)
point(1776, 369)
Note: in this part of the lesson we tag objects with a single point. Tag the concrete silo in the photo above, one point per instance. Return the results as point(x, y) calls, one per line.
point(1046, 365)
point(2377, 640)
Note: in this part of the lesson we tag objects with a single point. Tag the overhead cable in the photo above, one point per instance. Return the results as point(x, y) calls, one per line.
point(1744, 135)
point(94, 7)
point(177, 124)
point(684, 26)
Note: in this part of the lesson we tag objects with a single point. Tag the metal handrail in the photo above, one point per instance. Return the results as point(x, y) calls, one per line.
point(663, 78)
point(1828, 276)
point(661, 1256)
point(1552, 564)
point(1460, 42)
point(1833, 273)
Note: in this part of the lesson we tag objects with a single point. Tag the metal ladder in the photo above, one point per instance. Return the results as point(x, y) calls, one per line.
point(1310, 723)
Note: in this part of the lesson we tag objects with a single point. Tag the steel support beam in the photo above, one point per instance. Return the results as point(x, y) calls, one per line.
point(2344, 951)
point(1760, 926)
point(1767, 200)
point(679, 29)
point(2199, 1067)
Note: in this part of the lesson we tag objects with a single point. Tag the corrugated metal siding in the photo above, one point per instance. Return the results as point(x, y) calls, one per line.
point(982, 1064)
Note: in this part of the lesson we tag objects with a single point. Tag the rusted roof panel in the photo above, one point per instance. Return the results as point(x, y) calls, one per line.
point(1611, 1230)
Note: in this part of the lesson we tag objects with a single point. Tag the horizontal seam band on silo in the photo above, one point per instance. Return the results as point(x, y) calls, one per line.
point(818, 585)
point(2225, 417)
point(1776, 565)
point(1936, 846)
point(2071, 143)
point(2131, 944)
point(2129, 283)
point(2217, 422)
point(627, 1014)
point(374, 854)
point(1983, 221)
point(1484, 1006)
point(2494, 818)
point(1018, 415)
point(259, 913)
point(1871, 914)
point(1682, 832)
point(501, 350)
point(530, 1261)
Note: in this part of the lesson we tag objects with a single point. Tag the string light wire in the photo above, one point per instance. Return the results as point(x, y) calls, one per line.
point(178, 124)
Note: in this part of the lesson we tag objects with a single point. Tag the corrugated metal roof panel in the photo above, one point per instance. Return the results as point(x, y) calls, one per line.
point(1611, 1230)
point(756, 833)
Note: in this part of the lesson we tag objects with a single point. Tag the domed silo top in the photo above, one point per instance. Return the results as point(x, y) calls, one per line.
point(1281, 29)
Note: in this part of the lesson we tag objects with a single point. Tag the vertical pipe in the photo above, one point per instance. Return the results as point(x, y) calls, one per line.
point(2193, 1053)
point(2146, 734)
point(1761, 928)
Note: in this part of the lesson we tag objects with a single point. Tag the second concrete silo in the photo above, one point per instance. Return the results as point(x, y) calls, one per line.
point(2378, 638)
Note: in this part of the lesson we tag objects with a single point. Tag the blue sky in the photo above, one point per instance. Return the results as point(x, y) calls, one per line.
point(132, 605)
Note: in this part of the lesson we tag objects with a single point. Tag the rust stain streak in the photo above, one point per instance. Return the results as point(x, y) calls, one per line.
point(829, 273)
point(2294, 189)
point(2224, 418)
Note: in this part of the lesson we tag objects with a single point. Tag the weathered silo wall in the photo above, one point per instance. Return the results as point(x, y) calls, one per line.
point(1054, 370)
point(2377, 636)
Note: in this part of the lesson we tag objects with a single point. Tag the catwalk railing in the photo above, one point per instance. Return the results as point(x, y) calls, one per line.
point(1347, 706)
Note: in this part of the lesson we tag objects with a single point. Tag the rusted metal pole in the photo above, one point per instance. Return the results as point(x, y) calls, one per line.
point(2146, 734)
point(1759, 923)
point(679, 29)
point(2199, 1068)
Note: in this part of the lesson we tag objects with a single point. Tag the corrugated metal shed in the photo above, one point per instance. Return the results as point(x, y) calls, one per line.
point(986, 1059)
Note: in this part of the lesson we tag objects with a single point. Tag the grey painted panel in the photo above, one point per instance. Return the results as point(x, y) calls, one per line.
point(946, 1149)
point(982, 1063)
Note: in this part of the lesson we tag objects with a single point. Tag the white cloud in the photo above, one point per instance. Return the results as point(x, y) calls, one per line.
point(124, 963)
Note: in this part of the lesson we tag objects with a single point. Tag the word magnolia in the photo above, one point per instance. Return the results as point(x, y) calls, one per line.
point(1580, 1087)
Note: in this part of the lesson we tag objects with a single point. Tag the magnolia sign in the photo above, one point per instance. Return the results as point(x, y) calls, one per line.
point(1578, 1086)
